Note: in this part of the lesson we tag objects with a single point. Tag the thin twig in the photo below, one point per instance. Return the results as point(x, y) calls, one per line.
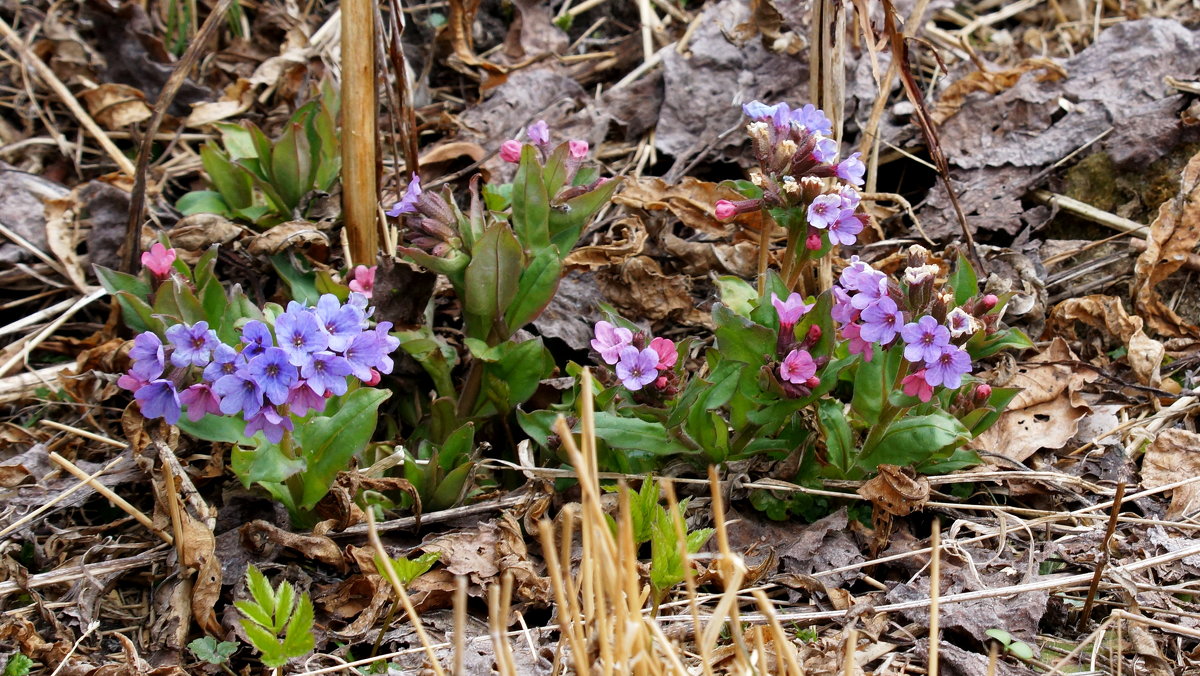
point(1102, 559)
point(112, 497)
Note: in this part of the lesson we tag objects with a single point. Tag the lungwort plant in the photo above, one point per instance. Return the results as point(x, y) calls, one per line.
point(875, 370)
point(268, 181)
point(292, 388)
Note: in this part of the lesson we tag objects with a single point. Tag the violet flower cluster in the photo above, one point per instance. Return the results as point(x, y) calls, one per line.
point(637, 363)
point(873, 310)
point(795, 155)
point(270, 375)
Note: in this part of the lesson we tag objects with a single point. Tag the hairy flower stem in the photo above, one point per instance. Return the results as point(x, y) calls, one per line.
point(888, 412)
point(295, 482)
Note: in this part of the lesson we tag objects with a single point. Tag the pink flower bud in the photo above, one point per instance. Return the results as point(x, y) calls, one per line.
point(577, 149)
point(724, 210)
point(661, 383)
point(159, 259)
point(988, 302)
point(510, 151)
point(812, 382)
point(813, 243)
point(814, 333)
point(373, 381)
point(983, 392)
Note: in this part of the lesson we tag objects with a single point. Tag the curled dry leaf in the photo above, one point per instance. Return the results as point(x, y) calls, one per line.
point(691, 201)
point(286, 236)
point(628, 240)
point(116, 106)
point(359, 599)
point(1174, 454)
point(639, 287)
point(993, 82)
point(236, 99)
point(1173, 236)
point(198, 232)
point(703, 258)
point(896, 490)
point(257, 533)
point(63, 239)
point(1047, 410)
point(488, 551)
point(1144, 354)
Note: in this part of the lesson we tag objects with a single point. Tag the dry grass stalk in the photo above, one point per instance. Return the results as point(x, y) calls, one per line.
point(90, 478)
point(116, 500)
point(935, 589)
point(359, 192)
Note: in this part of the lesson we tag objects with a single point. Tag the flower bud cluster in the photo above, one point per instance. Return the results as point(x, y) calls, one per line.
point(873, 310)
point(270, 374)
point(797, 370)
point(432, 225)
point(795, 155)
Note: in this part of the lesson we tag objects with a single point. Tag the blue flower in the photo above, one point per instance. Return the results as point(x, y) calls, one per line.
point(881, 321)
point(852, 169)
point(300, 334)
point(193, 344)
point(757, 110)
point(924, 339)
point(408, 201)
point(239, 394)
point(257, 337)
point(946, 369)
point(270, 422)
point(811, 118)
point(273, 373)
point(826, 150)
point(158, 399)
point(326, 372)
point(225, 361)
point(341, 322)
point(301, 400)
point(147, 356)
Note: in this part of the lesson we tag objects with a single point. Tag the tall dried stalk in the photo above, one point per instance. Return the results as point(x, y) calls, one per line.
point(359, 192)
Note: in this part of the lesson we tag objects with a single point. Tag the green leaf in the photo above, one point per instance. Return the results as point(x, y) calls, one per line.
point(433, 354)
point(237, 140)
point(301, 282)
point(408, 570)
point(328, 443)
point(491, 279)
point(114, 281)
point(207, 650)
point(266, 643)
point(697, 539)
point(514, 377)
point(497, 197)
point(839, 440)
point(963, 280)
point(737, 294)
point(451, 489)
point(235, 184)
point(299, 640)
point(203, 202)
point(913, 439)
point(227, 429)
point(981, 346)
point(291, 162)
point(530, 202)
point(138, 315)
point(568, 220)
point(18, 665)
point(535, 290)
point(264, 463)
point(635, 434)
point(1020, 649)
point(740, 339)
point(554, 175)
point(1000, 635)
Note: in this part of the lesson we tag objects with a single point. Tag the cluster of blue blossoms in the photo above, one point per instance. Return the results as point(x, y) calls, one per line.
point(266, 378)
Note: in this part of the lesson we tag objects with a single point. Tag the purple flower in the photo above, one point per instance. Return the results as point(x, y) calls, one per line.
point(824, 210)
point(539, 133)
point(300, 334)
point(781, 117)
point(225, 361)
point(326, 372)
point(341, 322)
point(811, 118)
point(757, 110)
point(131, 381)
point(239, 393)
point(842, 312)
point(369, 350)
point(610, 340)
point(825, 151)
point(948, 368)
point(158, 399)
point(637, 368)
point(200, 401)
point(791, 310)
point(881, 321)
point(852, 169)
point(924, 339)
point(850, 197)
point(301, 400)
point(846, 228)
point(386, 344)
point(147, 356)
point(874, 287)
point(257, 337)
point(193, 344)
point(408, 201)
point(273, 372)
point(270, 423)
point(797, 367)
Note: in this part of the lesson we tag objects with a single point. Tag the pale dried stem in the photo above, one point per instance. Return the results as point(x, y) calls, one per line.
point(112, 497)
point(13, 527)
point(360, 195)
point(935, 589)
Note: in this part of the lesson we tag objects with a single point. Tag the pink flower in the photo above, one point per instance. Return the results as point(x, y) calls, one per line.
point(915, 385)
point(851, 332)
point(724, 210)
point(510, 151)
point(667, 356)
point(610, 340)
point(200, 401)
point(797, 367)
point(159, 259)
point(791, 310)
point(577, 149)
point(362, 280)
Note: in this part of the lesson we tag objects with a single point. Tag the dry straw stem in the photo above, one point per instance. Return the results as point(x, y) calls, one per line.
point(112, 497)
point(90, 478)
point(69, 574)
point(935, 589)
point(359, 192)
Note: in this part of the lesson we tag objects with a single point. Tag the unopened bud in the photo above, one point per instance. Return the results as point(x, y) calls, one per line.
point(510, 151)
point(812, 382)
point(813, 243)
point(812, 187)
point(661, 382)
point(757, 178)
point(577, 149)
point(373, 380)
point(814, 333)
point(982, 392)
point(988, 302)
point(724, 210)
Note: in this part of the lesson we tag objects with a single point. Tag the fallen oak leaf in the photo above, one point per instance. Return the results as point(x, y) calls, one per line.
point(1173, 236)
point(1144, 354)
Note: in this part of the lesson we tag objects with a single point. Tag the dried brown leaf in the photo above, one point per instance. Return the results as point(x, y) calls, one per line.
point(628, 240)
point(992, 82)
point(116, 106)
point(691, 201)
point(1173, 455)
point(1144, 354)
point(197, 232)
point(257, 534)
point(896, 490)
point(286, 236)
point(237, 98)
point(639, 287)
point(1173, 236)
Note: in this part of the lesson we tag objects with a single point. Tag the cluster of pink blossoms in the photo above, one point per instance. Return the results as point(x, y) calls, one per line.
point(637, 364)
point(797, 368)
point(539, 135)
